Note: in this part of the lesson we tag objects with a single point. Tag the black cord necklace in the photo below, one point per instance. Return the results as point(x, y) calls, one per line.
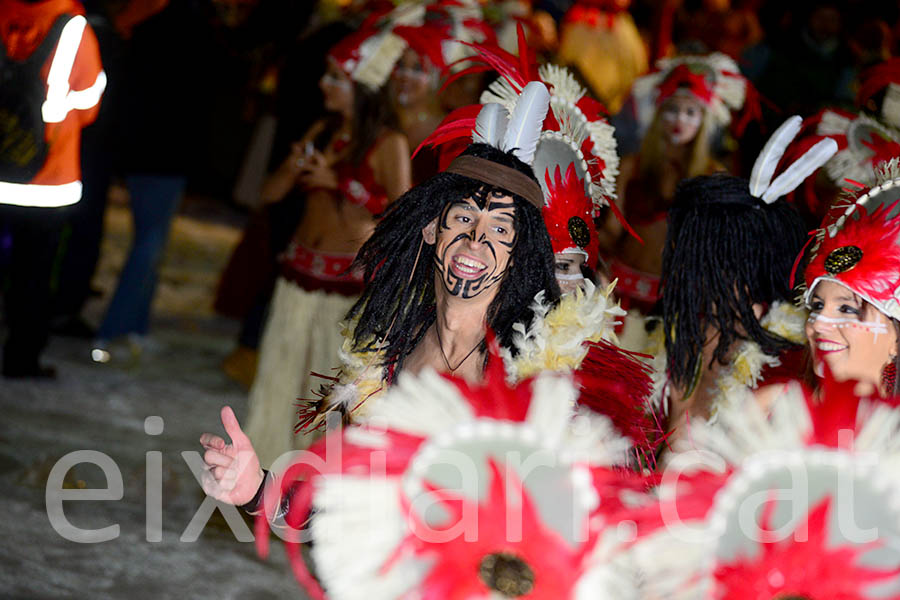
point(437, 331)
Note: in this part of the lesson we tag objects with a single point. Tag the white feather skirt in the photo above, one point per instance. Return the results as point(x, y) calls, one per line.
point(302, 335)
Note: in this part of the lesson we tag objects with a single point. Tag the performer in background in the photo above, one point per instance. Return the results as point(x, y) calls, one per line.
point(351, 166)
point(728, 317)
point(686, 103)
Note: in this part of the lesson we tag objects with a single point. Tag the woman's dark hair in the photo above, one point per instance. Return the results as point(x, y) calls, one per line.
point(398, 303)
point(373, 112)
point(725, 251)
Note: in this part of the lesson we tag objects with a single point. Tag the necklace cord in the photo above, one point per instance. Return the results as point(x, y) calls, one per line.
point(437, 331)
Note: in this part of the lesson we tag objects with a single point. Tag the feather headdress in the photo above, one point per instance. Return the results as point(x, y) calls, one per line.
point(429, 28)
point(713, 79)
point(575, 159)
point(860, 250)
point(883, 76)
point(735, 482)
point(763, 183)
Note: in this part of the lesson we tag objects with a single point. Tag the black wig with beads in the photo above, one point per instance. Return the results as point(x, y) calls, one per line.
point(398, 303)
point(725, 251)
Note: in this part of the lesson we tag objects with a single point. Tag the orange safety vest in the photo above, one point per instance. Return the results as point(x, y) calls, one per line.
point(75, 81)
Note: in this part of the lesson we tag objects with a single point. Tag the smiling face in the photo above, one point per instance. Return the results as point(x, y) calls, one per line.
point(681, 117)
point(567, 266)
point(851, 336)
point(337, 89)
point(474, 240)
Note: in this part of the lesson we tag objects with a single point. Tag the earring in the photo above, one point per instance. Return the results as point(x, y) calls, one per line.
point(889, 375)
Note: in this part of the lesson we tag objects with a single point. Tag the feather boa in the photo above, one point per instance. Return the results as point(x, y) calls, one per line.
point(555, 339)
point(783, 319)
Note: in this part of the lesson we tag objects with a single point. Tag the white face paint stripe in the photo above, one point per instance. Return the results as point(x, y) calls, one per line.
point(60, 98)
point(570, 277)
point(873, 326)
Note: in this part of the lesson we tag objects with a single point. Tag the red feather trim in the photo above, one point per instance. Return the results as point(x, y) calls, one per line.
point(615, 383)
point(877, 275)
point(876, 78)
point(807, 566)
point(566, 200)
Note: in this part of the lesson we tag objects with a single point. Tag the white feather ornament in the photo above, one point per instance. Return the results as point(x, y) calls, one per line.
point(490, 125)
point(526, 122)
point(802, 168)
point(764, 167)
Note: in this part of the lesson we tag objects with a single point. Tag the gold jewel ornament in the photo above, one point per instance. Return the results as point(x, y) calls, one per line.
point(579, 231)
point(507, 574)
point(843, 259)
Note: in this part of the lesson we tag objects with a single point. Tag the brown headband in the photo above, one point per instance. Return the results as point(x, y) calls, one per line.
point(487, 171)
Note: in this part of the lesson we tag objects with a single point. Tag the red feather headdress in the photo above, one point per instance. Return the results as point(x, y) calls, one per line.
point(567, 215)
point(885, 75)
point(714, 535)
point(714, 79)
point(860, 250)
point(576, 138)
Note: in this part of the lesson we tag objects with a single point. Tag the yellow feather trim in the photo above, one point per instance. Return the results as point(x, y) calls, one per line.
point(555, 339)
point(783, 319)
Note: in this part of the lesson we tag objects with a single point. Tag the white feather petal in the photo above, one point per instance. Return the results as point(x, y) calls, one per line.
point(802, 168)
point(490, 125)
point(526, 122)
point(764, 167)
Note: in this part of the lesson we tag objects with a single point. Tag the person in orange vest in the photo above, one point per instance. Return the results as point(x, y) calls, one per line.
point(52, 82)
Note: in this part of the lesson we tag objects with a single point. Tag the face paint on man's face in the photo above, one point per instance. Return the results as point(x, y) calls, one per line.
point(474, 242)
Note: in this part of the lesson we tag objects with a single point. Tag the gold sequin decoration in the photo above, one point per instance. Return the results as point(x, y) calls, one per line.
point(843, 259)
point(579, 232)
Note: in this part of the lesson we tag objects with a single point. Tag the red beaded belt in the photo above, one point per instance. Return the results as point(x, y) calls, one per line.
point(316, 270)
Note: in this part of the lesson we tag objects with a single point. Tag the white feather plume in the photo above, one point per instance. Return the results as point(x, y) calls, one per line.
point(490, 125)
point(526, 122)
point(767, 161)
point(802, 168)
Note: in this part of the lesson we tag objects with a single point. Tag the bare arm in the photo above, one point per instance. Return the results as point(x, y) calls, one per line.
point(391, 165)
point(279, 183)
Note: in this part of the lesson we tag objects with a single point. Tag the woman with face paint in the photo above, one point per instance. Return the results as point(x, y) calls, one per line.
point(693, 96)
point(349, 167)
point(853, 285)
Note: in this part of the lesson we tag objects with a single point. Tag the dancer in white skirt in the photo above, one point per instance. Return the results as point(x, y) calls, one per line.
point(350, 166)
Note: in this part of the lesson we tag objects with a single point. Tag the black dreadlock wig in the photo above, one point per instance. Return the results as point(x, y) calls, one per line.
point(398, 303)
point(725, 251)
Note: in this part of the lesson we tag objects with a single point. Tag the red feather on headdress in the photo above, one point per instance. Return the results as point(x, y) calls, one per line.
point(876, 78)
point(565, 201)
point(877, 275)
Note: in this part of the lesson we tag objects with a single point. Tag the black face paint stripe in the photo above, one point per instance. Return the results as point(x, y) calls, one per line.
point(501, 206)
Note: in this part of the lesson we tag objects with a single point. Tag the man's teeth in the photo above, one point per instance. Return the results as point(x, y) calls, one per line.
point(829, 346)
point(472, 264)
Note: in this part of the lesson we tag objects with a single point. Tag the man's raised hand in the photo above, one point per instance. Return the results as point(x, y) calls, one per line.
point(233, 474)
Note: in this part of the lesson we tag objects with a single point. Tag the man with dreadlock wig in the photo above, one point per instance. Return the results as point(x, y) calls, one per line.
point(728, 318)
point(453, 247)
point(465, 251)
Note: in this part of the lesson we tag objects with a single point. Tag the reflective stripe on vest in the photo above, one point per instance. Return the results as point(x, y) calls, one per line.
point(60, 97)
point(42, 196)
